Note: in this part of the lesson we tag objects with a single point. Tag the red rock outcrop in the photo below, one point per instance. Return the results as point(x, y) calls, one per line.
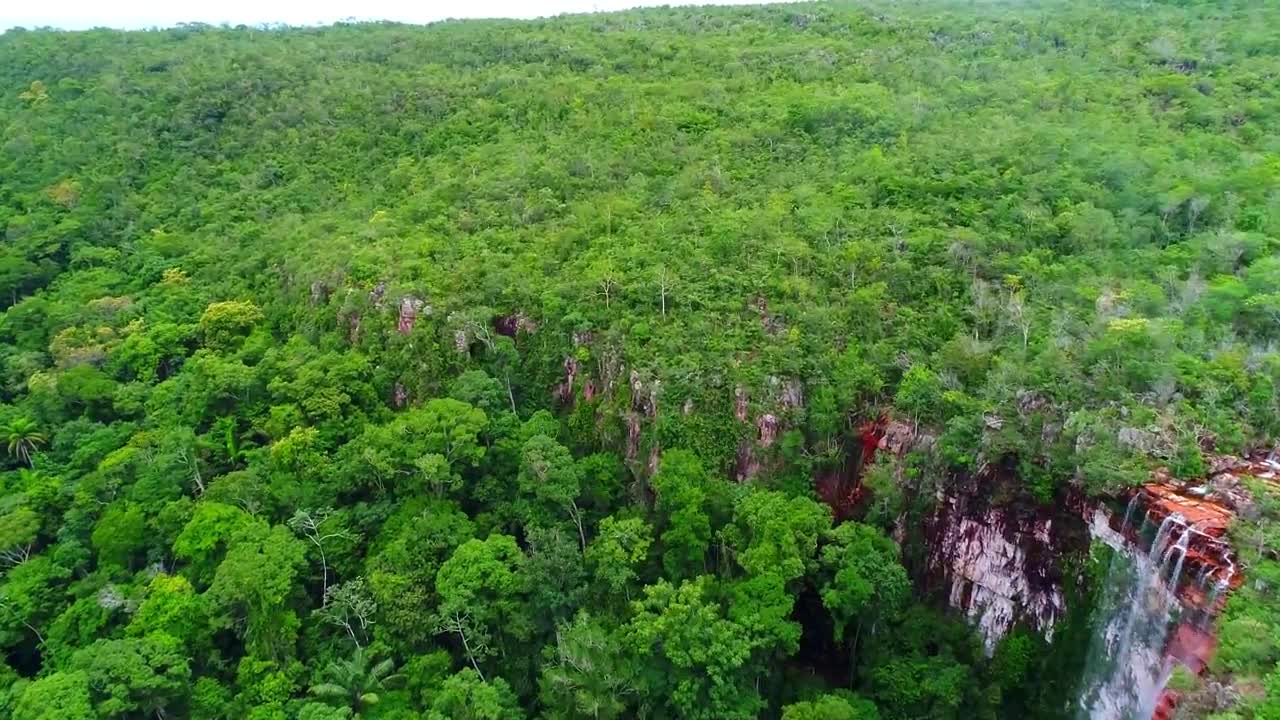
point(783, 398)
point(410, 306)
point(1206, 509)
point(841, 488)
point(997, 561)
point(1208, 556)
point(514, 324)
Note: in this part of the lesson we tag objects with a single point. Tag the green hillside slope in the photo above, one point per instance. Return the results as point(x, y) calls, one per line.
point(336, 364)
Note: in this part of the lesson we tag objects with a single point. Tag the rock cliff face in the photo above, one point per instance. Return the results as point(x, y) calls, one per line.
point(997, 562)
point(782, 397)
point(1001, 565)
point(1191, 564)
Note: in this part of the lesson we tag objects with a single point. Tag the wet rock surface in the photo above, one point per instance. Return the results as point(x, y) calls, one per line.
point(1204, 568)
point(1184, 576)
point(999, 563)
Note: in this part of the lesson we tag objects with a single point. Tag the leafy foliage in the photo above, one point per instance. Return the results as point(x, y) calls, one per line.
point(508, 352)
point(356, 684)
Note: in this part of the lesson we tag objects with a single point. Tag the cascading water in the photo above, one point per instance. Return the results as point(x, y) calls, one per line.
point(1179, 549)
point(1127, 668)
point(1128, 511)
point(1148, 618)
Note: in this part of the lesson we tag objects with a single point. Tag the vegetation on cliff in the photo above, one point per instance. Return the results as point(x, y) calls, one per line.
point(483, 370)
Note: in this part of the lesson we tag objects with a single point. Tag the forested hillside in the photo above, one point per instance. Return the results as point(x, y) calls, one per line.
point(484, 370)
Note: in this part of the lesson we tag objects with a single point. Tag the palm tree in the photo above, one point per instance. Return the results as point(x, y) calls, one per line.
point(23, 437)
point(354, 684)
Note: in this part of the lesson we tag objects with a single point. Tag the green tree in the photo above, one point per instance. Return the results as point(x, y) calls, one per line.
point(919, 393)
point(30, 596)
point(204, 539)
point(119, 534)
point(690, 658)
point(253, 584)
point(481, 593)
point(59, 696)
point(773, 533)
point(477, 388)
point(835, 706)
point(401, 576)
point(680, 485)
point(320, 711)
point(223, 322)
point(23, 437)
point(586, 675)
point(925, 666)
point(263, 687)
point(617, 554)
point(424, 448)
point(468, 696)
point(549, 474)
point(554, 574)
point(357, 683)
point(36, 94)
point(863, 582)
point(18, 531)
point(172, 607)
point(134, 677)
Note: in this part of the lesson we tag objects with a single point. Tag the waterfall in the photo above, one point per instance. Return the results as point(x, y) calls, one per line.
point(1146, 523)
point(1180, 548)
point(1211, 599)
point(1126, 668)
point(1162, 537)
point(1128, 511)
point(1203, 574)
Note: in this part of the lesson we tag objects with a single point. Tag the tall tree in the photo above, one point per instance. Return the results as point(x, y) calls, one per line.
point(680, 485)
point(550, 476)
point(357, 683)
point(23, 437)
point(586, 676)
point(689, 658)
point(481, 594)
point(468, 696)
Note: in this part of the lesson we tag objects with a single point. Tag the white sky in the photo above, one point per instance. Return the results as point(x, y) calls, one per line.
point(80, 14)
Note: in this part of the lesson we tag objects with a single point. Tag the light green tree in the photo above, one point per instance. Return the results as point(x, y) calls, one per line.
point(23, 438)
point(357, 683)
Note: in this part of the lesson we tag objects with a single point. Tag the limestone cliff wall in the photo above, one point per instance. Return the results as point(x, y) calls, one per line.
point(1000, 563)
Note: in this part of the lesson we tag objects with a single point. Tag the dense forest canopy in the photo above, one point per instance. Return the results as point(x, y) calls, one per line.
point(483, 369)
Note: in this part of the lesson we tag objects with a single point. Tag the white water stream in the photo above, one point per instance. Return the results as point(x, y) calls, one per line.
point(1127, 669)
